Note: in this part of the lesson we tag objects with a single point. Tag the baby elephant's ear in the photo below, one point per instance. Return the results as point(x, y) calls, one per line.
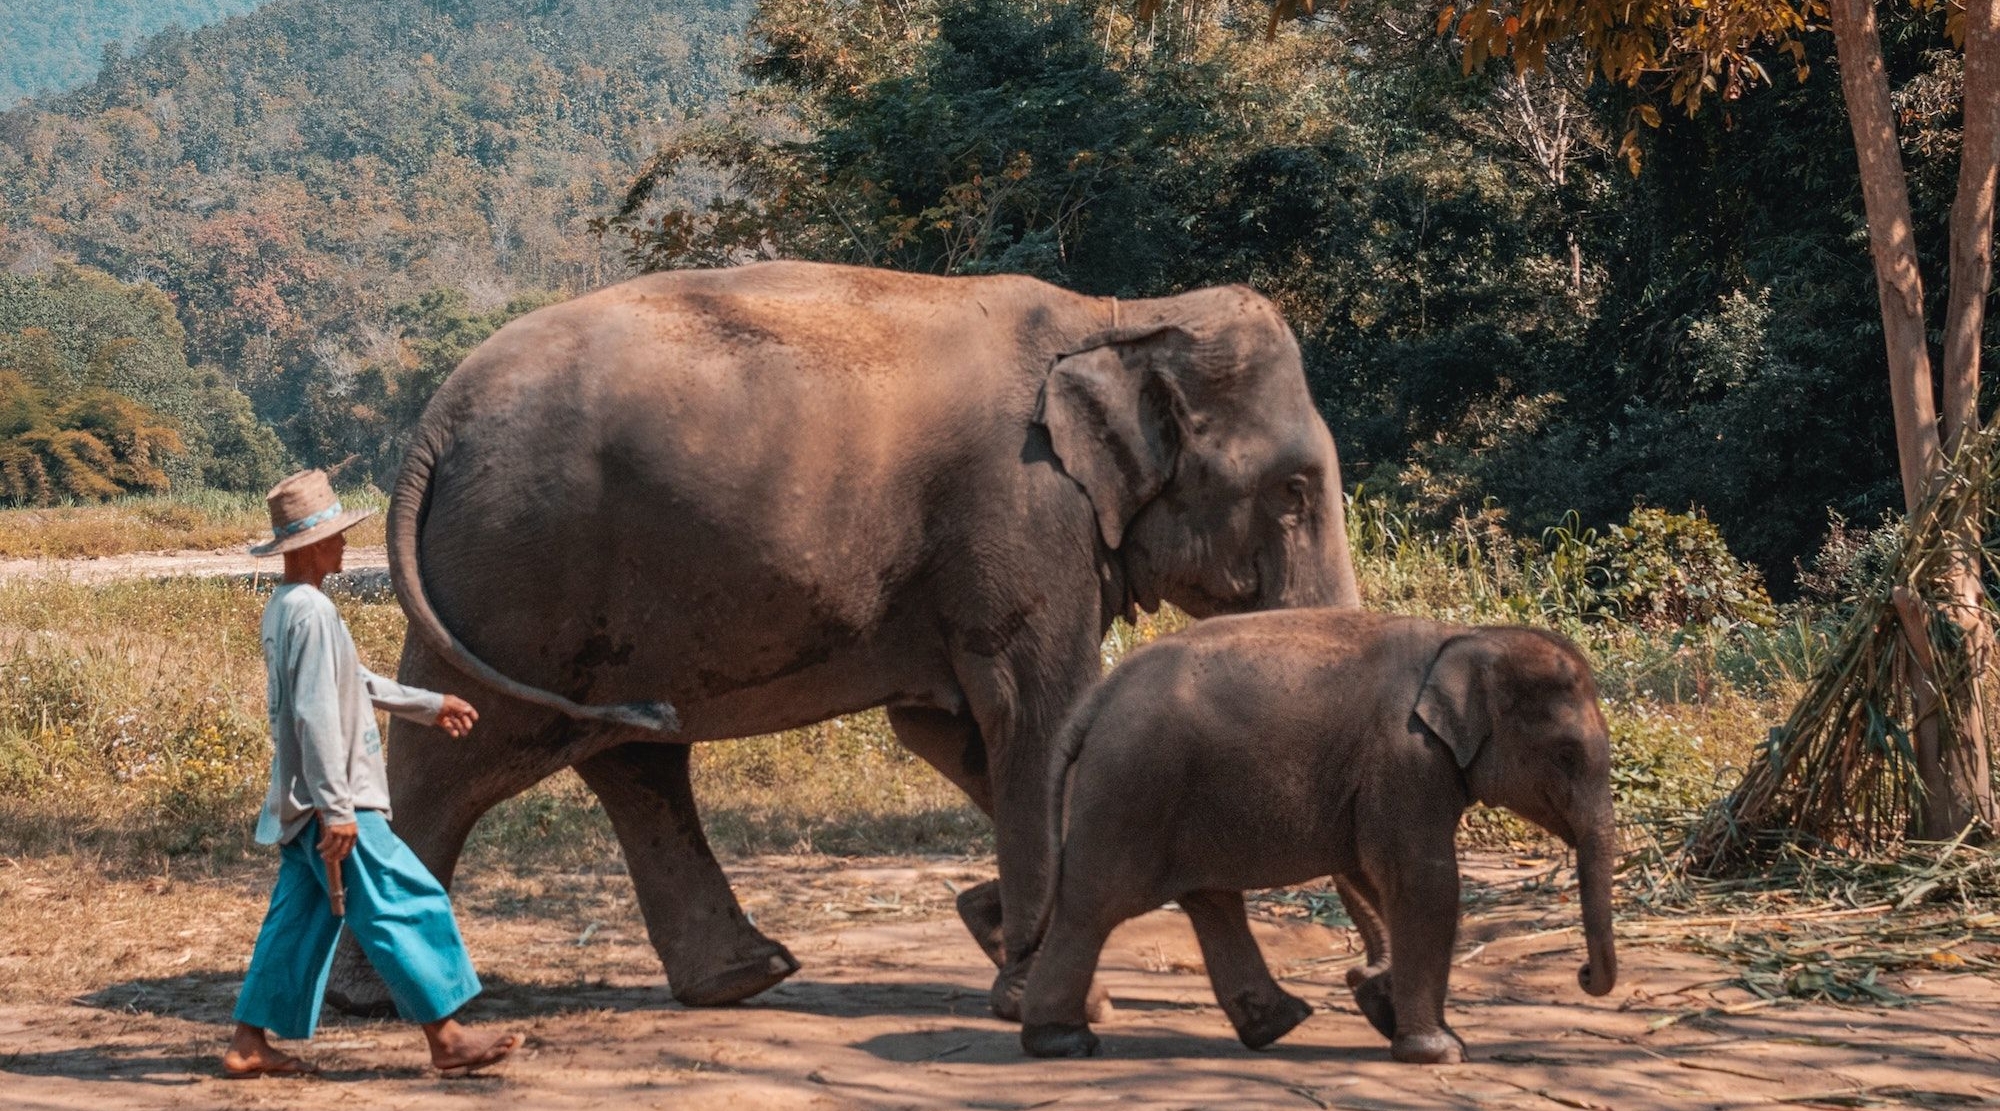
point(1457, 701)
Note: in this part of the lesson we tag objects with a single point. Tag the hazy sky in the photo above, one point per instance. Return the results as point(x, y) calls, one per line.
point(50, 45)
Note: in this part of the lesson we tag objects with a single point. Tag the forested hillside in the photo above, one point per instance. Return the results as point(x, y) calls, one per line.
point(340, 197)
point(338, 194)
point(48, 45)
point(1499, 318)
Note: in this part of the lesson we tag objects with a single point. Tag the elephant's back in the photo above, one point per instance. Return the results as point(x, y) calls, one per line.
point(703, 467)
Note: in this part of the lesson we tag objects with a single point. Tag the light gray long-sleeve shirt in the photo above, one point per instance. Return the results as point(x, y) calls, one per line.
point(326, 751)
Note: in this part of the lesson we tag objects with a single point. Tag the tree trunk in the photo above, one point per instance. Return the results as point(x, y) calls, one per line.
point(1950, 763)
point(1891, 240)
point(1972, 221)
point(1967, 761)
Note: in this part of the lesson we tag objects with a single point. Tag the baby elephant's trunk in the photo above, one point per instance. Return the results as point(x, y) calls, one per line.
point(1597, 856)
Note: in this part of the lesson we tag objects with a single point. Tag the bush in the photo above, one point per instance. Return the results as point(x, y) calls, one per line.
point(1672, 570)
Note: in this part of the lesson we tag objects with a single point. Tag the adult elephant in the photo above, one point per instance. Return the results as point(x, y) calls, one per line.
point(712, 504)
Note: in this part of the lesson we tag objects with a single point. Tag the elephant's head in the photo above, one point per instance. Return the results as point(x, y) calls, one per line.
point(1213, 479)
point(1518, 709)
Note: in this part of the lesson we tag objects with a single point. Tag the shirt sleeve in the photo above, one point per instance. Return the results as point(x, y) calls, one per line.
point(323, 746)
point(413, 703)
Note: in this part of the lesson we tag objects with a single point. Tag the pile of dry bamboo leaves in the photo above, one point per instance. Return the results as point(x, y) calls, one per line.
point(1841, 773)
point(1816, 925)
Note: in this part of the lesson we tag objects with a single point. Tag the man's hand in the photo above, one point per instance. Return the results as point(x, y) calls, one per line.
point(457, 716)
point(335, 842)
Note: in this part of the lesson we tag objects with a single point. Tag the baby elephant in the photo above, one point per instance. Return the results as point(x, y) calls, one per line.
point(1275, 748)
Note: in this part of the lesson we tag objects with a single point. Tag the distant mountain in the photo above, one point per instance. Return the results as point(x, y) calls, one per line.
point(299, 178)
point(49, 45)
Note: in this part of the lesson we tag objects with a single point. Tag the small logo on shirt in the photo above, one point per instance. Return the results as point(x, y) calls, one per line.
point(372, 740)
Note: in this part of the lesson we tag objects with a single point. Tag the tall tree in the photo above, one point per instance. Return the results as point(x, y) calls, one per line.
point(1695, 49)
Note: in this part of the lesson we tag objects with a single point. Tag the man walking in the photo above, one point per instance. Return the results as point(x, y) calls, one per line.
point(328, 808)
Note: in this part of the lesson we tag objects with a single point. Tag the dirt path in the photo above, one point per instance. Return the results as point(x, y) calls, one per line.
point(185, 564)
point(116, 995)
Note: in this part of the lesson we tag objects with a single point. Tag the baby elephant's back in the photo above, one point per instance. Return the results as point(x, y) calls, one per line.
point(1240, 743)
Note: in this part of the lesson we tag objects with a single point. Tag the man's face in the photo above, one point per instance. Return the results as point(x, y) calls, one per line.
point(328, 553)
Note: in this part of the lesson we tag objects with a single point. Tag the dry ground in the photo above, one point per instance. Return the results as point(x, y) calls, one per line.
point(115, 993)
point(176, 564)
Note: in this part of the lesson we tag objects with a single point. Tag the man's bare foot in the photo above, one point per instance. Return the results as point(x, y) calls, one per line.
point(251, 1054)
point(457, 1050)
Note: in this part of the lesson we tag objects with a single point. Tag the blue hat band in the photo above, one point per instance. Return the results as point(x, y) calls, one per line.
point(304, 523)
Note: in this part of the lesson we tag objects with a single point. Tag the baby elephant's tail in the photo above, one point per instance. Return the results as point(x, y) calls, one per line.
point(1062, 759)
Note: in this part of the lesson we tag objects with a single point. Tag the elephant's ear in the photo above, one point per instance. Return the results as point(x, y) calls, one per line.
point(1115, 416)
point(1457, 700)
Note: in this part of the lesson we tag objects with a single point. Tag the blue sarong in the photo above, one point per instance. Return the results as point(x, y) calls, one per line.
point(395, 909)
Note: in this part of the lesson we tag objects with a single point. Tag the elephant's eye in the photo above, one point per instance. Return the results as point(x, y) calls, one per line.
point(1298, 494)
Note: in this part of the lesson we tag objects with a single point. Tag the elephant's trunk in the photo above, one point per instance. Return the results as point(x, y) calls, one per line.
point(1596, 852)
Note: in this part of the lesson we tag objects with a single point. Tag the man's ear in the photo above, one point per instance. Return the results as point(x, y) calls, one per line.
point(1115, 417)
point(1457, 697)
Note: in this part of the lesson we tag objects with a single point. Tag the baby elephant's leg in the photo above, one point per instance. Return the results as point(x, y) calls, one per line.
point(1372, 986)
point(1364, 907)
point(1261, 1011)
point(1423, 923)
point(1055, 1018)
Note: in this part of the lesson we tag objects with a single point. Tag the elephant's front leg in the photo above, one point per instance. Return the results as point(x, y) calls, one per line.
point(711, 952)
point(1019, 710)
point(1423, 925)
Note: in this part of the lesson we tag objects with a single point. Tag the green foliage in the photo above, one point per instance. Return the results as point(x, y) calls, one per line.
point(1492, 310)
point(1671, 570)
point(290, 177)
point(55, 44)
point(98, 445)
point(377, 413)
point(97, 398)
point(956, 138)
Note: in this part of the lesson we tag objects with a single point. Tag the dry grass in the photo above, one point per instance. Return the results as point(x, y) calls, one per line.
point(132, 729)
point(204, 521)
point(132, 725)
point(1842, 771)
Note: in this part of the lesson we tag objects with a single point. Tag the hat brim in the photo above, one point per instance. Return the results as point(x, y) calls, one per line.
point(312, 535)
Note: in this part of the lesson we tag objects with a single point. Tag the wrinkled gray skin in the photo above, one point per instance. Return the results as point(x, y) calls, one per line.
point(1275, 748)
point(772, 495)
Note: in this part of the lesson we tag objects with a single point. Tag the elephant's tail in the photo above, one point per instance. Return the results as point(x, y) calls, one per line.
point(1062, 760)
point(408, 507)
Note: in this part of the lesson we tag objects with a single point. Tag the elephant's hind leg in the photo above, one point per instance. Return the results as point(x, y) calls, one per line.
point(1261, 1011)
point(1055, 1004)
point(951, 744)
point(441, 786)
point(711, 952)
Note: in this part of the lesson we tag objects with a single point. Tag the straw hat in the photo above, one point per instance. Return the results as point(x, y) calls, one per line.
point(305, 511)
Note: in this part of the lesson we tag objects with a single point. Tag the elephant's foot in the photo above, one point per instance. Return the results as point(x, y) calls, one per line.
point(979, 909)
point(762, 969)
point(1012, 984)
point(1360, 973)
point(353, 988)
point(1008, 989)
point(1097, 1005)
point(1375, 1002)
point(1058, 1039)
point(1263, 1019)
point(1428, 1047)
